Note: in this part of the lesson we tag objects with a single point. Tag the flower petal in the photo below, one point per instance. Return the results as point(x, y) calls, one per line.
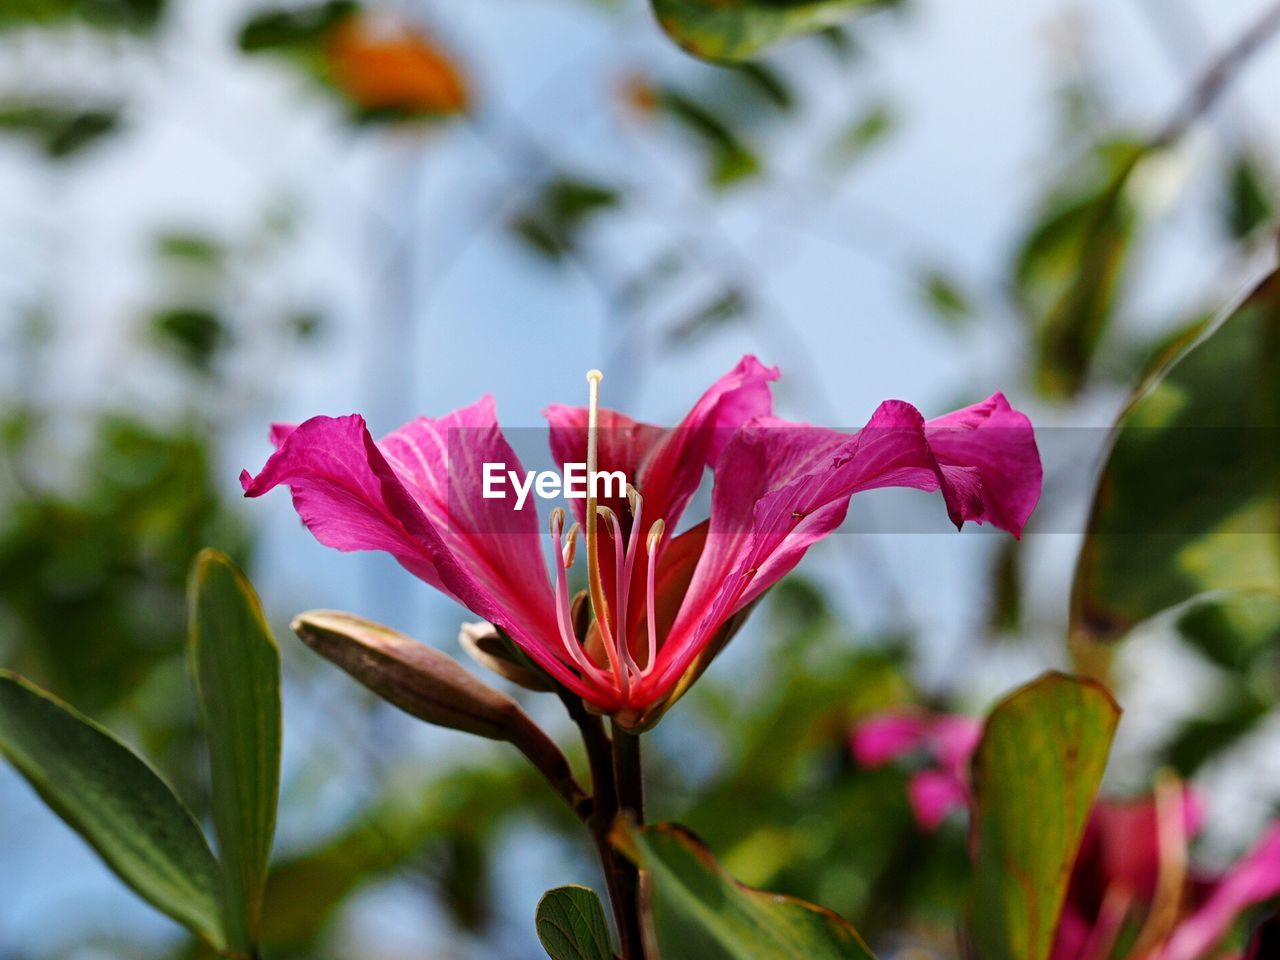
point(934, 795)
point(995, 444)
point(417, 496)
point(332, 469)
point(1254, 879)
point(666, 465)
point(780, 487)
point(886, 737)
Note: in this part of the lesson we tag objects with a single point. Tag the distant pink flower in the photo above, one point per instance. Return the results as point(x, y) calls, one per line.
point(946, 740)
point(1116, 880)
point(661, 605)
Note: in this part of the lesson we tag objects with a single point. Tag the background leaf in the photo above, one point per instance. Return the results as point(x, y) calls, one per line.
point(1035, 775)
point(572, 925)
point(701, 912)
point(1072, 265)
point(737, 29)
point(237, 669)
point(109, 796)
point(1206, 427)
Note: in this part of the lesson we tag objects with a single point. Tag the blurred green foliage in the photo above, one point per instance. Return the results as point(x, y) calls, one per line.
point(60, 130)
point(114, 14)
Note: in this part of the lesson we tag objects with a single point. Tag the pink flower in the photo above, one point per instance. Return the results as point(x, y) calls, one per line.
point(946, 740)
point(662, 606)
point(1131, 870)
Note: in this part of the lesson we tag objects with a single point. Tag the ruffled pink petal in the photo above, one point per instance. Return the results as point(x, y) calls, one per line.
point(279, 433)
point(417, 496)
point(934, 795)
point(781, 487)
point(988, 454)
point(666, 465)
point(1254, 879)
point(887, 737)
point(337, 476)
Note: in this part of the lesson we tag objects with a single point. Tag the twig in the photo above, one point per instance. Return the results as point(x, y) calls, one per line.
point(1214, 82)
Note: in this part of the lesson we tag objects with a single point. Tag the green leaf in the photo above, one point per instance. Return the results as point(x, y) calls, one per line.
point(945, 298)
point(1071, 267)
point(237, 669)
point(572, 925)
point(732, 30)
point(721, 311)
point(62, 131)
point(702, 913)
point(868, 130)
point(292, 27)
point(729, 158)
point(553, 223)
point(196, 334)
point(136, 15)
point(1250, 197)
point(1188, 499)
point(108, 795)
point(1035, 775)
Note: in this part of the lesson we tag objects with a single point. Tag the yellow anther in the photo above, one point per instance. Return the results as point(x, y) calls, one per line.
point(571, 545)
point(557, 521)
point(655, 535)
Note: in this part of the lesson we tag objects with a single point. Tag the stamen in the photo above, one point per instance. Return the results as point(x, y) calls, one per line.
point(571, 545)
point(633, 547)
point(655, 535)
point(595, 586)
point(621, 584)
point(564, 618)
point(651, 606)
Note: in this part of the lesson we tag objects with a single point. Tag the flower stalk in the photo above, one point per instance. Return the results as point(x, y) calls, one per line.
point(622, 878)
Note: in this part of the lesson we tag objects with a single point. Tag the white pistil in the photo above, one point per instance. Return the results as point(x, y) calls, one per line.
point(595, 585)
point(624, 671)
point(564, 617)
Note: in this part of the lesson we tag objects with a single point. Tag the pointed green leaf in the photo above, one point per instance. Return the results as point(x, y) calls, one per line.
point(237, 669)
point(572, 925)
point(117, 803)
point(737, 29)
point(1071, 267)
point(1189, 498)
point(1035, 775)
point(702, 913)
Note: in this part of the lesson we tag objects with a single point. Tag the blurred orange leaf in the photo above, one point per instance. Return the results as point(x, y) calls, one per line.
point(386, 67)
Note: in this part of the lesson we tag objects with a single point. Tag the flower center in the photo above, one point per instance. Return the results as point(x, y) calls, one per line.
point(622, 672)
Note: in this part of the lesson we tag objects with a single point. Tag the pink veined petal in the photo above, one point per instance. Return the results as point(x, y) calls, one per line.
point(886, 737)
point(934, 794)
point(780, 487)
point(338, 492)
point(1254, 879)
point(354, 494)
point(666, 465)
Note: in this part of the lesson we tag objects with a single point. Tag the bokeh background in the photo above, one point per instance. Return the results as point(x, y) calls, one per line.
point(218, 214)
